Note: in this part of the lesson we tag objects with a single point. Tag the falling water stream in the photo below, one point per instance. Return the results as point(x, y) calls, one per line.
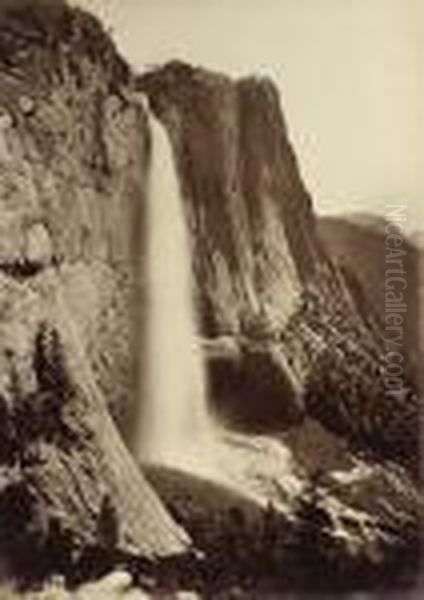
point(175, 415)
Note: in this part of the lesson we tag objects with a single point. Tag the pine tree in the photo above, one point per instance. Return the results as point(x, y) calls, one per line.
point(49, 362)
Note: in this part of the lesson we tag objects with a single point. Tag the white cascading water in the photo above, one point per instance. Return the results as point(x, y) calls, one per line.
point(174, 427)
point(174, 416)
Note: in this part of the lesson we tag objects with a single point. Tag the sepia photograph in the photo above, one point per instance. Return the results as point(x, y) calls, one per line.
point(211, 247)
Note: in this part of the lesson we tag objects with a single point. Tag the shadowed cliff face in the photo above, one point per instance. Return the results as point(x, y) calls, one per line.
point(285, 335)
point(248, 211)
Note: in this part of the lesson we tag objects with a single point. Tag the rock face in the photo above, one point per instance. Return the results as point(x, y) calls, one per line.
point(264, 284)
point(71, 172)
point(72, 166)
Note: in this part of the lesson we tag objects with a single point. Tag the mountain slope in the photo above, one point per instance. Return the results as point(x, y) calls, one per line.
point(358, 242)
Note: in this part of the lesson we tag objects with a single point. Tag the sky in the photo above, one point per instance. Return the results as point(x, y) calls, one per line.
point(347, 71)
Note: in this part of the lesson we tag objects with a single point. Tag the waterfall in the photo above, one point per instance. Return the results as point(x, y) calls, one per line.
point(173, 418)
point(173, 425)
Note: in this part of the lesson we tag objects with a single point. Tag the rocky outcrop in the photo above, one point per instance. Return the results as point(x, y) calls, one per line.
point(264, 284)
point(335, 521)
